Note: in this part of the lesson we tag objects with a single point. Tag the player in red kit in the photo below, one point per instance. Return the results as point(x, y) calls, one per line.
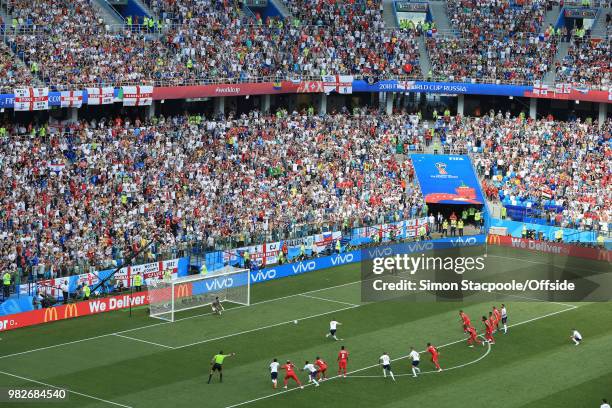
point(466, 320)
point(434, 355)
point(488, 330)
point(290, 373)
point(492, 321)
point(322, 368)
point(473, 337)
point(497, 315)
point(342, 360)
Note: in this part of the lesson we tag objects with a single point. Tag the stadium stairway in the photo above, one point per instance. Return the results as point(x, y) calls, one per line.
point(389, 14)
point(144, 7)
point(600, 28)
point(282, 8)
point(551, 17)
point(562, 50)
point(439, 13)
point(424, 61)
point(110, 15)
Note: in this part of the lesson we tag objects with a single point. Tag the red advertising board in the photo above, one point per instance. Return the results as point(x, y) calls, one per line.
point(587, 95)
point(72, 310)
point(243, 89)
point(559, 248)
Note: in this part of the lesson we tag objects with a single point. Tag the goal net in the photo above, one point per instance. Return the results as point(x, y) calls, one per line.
point(229, 284)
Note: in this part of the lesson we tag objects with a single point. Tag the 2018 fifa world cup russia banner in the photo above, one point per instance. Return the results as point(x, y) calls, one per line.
point(31, 99)
point(447, 179)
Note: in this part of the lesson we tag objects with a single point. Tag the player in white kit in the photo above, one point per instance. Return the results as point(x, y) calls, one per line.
point(576, 337)
point(333, 325)
point(385, 361)
point(312, 372)
point(504, 316)
point(274, 372)
point(416, 358)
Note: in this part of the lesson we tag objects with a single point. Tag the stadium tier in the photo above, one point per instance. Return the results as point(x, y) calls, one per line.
point(188, 42)
point(84, 194)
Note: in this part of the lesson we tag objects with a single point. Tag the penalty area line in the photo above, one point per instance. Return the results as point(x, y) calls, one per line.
point(62, 388)
point(329, 300)
point(143, 341)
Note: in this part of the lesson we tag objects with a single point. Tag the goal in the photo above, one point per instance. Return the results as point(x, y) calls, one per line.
point(229, 284)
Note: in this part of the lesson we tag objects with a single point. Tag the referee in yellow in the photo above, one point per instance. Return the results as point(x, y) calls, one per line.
point(216, 364)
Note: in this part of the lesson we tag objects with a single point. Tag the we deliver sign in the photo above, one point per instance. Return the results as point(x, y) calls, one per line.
point(69, 311)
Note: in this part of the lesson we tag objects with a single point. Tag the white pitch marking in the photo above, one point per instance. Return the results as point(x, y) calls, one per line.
point(144, 341)
point(399, 358)
point(61, 388)
point(329, 300)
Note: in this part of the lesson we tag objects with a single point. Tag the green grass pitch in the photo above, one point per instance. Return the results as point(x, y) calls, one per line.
point(113, 359)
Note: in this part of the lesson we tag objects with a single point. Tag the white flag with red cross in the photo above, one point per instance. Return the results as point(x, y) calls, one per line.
point(141, 95)
point(71, 99)
point(540, 89)
point(100, 96)
point(342, 84)
point(31, 99)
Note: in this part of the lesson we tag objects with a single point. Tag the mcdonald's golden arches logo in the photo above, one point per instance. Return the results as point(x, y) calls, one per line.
point(493, 239)
point(182, 291)
point(71, 311)
point(50, 314)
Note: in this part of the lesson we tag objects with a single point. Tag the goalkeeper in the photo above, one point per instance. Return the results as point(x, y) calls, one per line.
point(216, 364)
point(217, 307)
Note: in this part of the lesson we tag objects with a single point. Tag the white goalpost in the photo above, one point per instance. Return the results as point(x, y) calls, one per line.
point(229, 284)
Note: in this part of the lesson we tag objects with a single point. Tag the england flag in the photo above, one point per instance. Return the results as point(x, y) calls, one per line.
point(31, 99)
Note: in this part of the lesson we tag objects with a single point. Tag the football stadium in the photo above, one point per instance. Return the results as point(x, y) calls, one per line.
point(344, 203)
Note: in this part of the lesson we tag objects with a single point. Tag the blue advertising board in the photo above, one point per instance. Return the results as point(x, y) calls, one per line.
point(440, 87)
point(447, 179)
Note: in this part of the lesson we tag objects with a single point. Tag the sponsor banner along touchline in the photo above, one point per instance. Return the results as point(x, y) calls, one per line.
point(558, 248)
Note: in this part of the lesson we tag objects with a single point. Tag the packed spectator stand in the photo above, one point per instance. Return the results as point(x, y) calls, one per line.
point(203, 41)
point(588, 62)
point(84, 194)
point(558, 171)
point(192, 41)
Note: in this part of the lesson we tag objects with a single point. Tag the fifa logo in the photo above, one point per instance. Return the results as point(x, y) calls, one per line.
point(50, 314)
point(71, 311)
point(441, 168)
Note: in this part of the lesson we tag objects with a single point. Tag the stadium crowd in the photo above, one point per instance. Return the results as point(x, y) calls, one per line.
point(205, 40)
point(522, 58)
point(588, 62)
point(496, 40)
point(562, 169)
point(82, 195)
point(12, 72)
